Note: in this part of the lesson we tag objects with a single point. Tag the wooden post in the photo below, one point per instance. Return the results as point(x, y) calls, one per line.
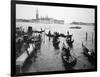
point(86, 35)
point(92, 37)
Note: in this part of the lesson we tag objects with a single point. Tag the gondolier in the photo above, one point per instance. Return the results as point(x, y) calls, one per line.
point(69, 39)
point(49, 33)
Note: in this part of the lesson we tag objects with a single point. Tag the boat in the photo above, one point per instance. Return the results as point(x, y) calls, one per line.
point(76, 27)
point(50, 35)
point(70, 43)
point(56, 42)
point(89, 54)
point(56, 34)
point(69, 39)
point(39, 31)
point(69, 63)
point(68, 60)
point(56, 45)
point(85, 50)
point(62, 35)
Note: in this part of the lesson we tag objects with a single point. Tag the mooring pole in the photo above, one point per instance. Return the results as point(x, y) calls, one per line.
point(86, 36)
point(92, 37)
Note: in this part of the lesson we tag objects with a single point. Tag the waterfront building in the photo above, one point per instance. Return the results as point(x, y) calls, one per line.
point(44, 20)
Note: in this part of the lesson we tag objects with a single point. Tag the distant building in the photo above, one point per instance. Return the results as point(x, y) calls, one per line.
point(45, 20)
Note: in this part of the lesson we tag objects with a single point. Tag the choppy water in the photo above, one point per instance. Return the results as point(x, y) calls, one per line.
point(50, 59)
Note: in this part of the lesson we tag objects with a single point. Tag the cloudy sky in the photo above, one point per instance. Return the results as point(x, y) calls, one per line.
point(68, 14)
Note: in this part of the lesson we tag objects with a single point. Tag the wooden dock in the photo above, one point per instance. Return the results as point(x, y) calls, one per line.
point(22, 58)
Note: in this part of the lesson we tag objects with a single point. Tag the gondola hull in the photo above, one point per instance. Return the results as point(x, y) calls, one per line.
point(69, 63)
point(50, 35)
point(70, 43)
point(56, 45)
point(91, 56)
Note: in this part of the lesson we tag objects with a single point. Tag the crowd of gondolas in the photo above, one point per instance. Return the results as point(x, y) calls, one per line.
point(68, 59)
point(28, 44)
point(24, 39)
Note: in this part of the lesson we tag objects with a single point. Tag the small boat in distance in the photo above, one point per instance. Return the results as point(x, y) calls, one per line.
point(75, 27)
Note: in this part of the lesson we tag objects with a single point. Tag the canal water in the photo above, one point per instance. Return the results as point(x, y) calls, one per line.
point(49, 59)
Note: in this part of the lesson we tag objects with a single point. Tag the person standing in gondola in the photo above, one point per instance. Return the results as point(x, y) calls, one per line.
point(68, 36)
point(49, 33)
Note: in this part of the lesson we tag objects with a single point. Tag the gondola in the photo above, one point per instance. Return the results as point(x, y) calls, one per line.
point(69, 63)
point(57, 34)
point(69, 40)
point(89, 54)
point(85, 50)
point(62, 35)
point(70, 43)
point(56, 42)
point(68, 60)
point(38, 31)
point(76, 27)
point(50, 35)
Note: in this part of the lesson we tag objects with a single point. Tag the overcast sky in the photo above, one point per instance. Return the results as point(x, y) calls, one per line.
point(68, 14)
